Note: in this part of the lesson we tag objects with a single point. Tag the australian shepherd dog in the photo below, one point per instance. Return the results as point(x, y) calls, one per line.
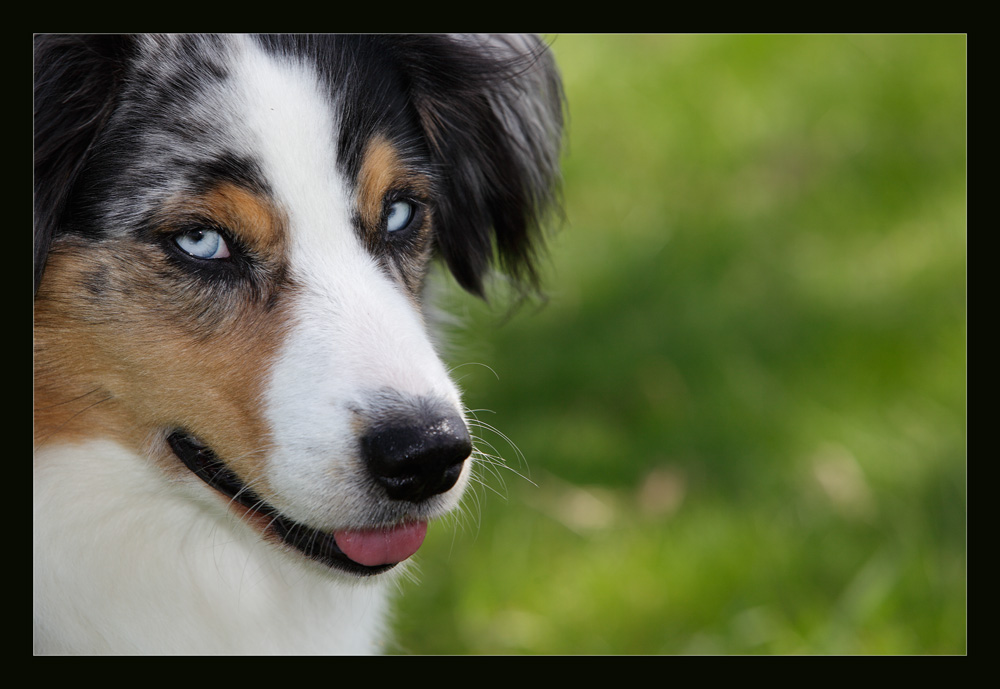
point(241, 421)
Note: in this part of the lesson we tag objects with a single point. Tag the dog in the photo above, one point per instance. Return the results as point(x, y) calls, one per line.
point(242, 423)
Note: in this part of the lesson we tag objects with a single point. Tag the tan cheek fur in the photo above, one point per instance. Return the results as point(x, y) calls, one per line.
point(124, 359)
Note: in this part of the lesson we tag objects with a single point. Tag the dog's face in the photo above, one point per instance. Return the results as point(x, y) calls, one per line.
point(234, 287)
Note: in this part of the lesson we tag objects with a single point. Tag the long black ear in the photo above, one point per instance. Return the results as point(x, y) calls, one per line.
point(492, 111)
point(76, 78)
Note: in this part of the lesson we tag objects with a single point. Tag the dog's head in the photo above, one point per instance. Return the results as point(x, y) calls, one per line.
point(232, 235)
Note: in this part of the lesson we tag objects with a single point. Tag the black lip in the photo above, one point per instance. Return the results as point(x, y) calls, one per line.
point(314, 544)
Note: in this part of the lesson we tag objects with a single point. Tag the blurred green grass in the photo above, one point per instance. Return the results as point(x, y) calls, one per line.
point(742, 409)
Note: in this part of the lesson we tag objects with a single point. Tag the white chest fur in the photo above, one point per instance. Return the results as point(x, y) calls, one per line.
point(127, 562)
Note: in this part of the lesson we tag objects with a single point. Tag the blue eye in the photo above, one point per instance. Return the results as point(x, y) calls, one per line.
point(205, 244)
point(400, 216)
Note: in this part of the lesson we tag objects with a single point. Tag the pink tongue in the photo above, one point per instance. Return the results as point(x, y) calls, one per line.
point(382, 546)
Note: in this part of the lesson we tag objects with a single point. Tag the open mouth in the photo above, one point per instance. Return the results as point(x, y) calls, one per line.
point(361, 552)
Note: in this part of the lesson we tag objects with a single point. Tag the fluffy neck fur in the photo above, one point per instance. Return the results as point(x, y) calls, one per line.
point(181, 583)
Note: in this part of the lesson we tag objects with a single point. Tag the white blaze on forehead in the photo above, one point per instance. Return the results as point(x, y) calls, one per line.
point(291, 118)
point(347, 302)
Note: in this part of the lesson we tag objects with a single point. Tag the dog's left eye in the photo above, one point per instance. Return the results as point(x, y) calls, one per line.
point(204, 244)
point(399, 216)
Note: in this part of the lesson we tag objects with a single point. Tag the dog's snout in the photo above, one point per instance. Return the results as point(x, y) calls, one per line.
point(415, 460)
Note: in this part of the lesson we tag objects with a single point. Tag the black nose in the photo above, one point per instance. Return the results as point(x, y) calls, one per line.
point(415, 459)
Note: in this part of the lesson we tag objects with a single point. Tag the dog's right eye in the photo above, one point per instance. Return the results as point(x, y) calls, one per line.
point(203, 243)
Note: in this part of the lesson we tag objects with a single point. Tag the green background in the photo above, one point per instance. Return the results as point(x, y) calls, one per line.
point(738, 422)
